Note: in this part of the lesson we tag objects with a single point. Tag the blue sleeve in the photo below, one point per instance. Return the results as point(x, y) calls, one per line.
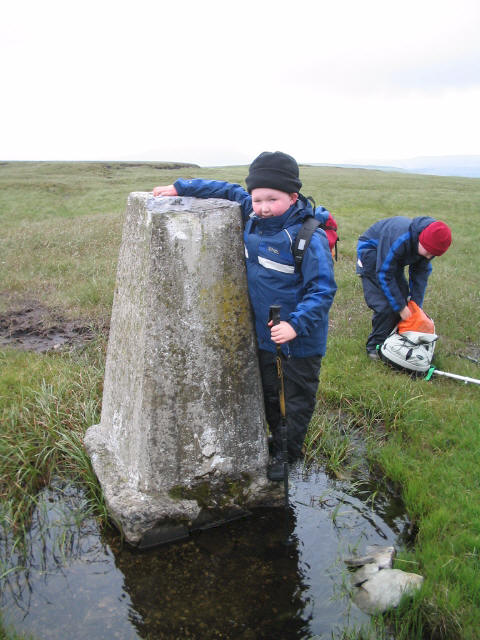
point(418, 277)
point(199, 188)
point(390, 264)
point(318, 286)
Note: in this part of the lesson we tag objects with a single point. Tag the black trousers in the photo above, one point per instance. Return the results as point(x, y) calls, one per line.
point(300, 376)
point(384, 318)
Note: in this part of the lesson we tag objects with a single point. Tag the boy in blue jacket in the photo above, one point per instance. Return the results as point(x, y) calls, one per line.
point(383, 251)
point(273, 212)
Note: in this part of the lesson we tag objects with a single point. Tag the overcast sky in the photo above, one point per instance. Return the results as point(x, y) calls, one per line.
point(217, 82)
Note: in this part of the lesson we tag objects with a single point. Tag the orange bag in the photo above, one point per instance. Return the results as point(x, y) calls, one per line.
point(418, 321)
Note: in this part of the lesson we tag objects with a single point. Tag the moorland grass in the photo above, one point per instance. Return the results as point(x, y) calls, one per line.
point(45, 403)
point(60, 235)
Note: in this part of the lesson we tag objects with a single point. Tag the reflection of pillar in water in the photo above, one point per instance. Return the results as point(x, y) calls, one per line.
point(181, 442)
point(236, 581)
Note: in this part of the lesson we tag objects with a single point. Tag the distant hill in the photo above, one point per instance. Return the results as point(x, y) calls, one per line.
point(466, 166)
point(460, 166)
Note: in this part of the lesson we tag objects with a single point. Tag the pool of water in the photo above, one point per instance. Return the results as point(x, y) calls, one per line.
point(276, 574)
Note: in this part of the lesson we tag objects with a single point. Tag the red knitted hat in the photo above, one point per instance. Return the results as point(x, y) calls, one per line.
point(436, 238)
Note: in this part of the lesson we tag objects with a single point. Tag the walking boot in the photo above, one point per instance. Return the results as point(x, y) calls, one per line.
point(275, 470)
point(373, 354)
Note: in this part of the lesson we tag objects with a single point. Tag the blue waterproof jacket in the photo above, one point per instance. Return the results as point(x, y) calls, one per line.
point(394, 243)
point(306, 296)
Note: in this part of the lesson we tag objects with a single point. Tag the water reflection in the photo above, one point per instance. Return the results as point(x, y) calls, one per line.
point(238, 581)
point(276, 574)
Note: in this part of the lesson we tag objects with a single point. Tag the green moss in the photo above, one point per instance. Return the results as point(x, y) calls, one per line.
point(208, 495)
point(202, 493)
point(237, 491)
point(226, 306)
point(176, 492)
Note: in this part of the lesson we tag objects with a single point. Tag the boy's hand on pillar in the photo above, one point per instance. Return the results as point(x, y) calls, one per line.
point(167, 190)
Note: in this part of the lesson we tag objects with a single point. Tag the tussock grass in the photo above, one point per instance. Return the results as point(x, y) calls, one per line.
point(61, 230)
point(46, 402)
point(331, 441)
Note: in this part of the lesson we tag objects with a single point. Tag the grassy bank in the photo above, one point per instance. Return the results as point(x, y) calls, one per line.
point(60, 235)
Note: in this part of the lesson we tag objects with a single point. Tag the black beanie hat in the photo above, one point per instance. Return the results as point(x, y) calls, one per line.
point(274, 170)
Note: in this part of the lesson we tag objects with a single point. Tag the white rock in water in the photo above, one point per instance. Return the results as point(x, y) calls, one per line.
point(385, 589)
point(375, 554)
point(363, 574)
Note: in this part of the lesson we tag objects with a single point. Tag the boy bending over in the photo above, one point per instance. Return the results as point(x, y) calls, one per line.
point(383, 251)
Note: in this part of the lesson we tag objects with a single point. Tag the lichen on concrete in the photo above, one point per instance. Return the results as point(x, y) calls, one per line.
point(182, 431)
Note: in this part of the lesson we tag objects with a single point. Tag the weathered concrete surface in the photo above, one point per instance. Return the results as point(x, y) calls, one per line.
point(181, 442)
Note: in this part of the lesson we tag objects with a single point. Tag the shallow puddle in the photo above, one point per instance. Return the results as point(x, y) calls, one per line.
point(276, 574)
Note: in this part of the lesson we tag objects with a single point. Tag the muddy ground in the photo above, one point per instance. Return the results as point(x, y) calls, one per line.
point(34, 327)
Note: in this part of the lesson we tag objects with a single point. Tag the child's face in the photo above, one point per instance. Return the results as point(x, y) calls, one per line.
point(423, 252)
point(268, 203)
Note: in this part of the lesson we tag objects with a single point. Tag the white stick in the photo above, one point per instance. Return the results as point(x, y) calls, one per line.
point(454, 375)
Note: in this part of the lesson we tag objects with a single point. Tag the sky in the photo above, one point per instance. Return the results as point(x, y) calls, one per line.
point(217, 82)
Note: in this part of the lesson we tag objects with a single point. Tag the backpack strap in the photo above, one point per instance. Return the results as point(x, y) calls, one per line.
point(308, 228)
point(303, 238)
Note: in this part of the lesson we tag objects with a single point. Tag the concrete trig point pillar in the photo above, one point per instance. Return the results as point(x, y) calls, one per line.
point(181, 443)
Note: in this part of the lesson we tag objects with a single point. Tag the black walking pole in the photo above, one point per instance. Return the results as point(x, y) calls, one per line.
point(275, 318)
